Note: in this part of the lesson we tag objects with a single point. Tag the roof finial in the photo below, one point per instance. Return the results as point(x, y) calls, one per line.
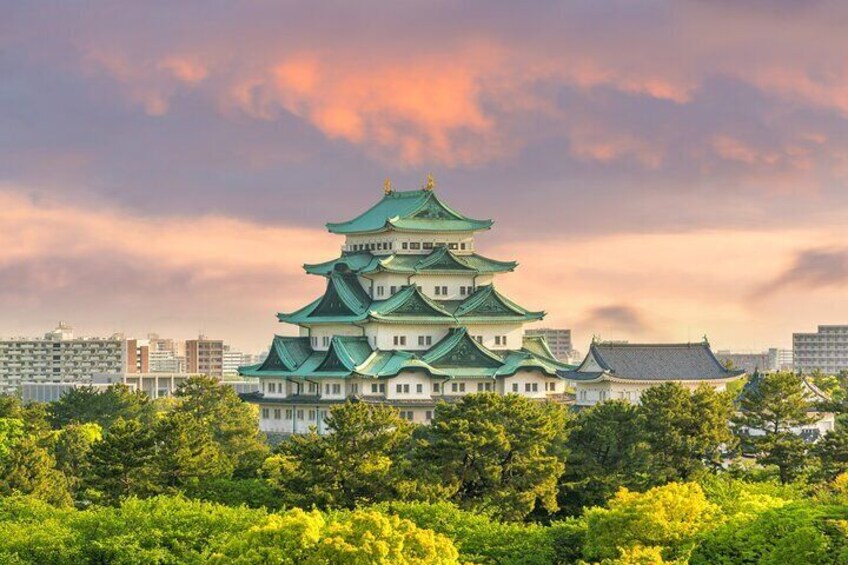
point(706, 340)
point(387, 186)
point(431, 182)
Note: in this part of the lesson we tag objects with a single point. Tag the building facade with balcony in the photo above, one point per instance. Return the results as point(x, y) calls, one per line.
point(411, 316)
point(58, 357)
point(825, 350)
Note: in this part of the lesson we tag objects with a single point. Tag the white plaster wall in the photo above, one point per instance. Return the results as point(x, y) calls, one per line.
point(524, 378)
point(330, 330)
point(394, 240)
point(414, 379)
point(381, 336)
point(281, 387)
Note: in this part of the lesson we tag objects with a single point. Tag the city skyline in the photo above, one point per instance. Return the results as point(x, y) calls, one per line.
point(658, 180)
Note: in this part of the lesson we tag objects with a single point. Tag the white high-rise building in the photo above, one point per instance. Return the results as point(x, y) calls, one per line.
point(58, 357)
point(826, 350)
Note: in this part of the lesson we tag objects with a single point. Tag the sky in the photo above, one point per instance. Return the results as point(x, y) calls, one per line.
point(660, 170)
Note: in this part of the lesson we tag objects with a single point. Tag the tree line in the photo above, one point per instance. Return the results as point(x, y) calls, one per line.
point(666, 472)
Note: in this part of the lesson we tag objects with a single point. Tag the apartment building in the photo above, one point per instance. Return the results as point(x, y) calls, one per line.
point(205, 356)
point(825, 350)
point(58, 356)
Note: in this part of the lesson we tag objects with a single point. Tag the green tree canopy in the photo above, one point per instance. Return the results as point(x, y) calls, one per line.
point(770, 408)
point(121, 462)
point(501, 454)
point(359, 462)
point(671, 517)
point(685, 430)
point(233, 423)
point(606, 451)
point(103, 407)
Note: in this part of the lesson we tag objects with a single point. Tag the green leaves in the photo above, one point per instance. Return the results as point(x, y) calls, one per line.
point(496, 454)
point(360, 462)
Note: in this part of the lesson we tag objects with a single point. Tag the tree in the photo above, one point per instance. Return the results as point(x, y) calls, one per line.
point(685, 430)
point(803, 533)
point(30, 469)
point(495, 453)
point(11, 434)
point(71, 449)
point(770, 407)
point(88, 404)
point(233, 423)
point(121, 462)
point(606, 452)
point(186, 453)
point(358, 462)
point(671, 517)
point(361, 536)
point(831, 453)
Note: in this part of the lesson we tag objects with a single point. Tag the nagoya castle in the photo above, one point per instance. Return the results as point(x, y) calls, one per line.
point(411, 316)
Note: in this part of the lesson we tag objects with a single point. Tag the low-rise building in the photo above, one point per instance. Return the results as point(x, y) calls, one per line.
point(625, 370)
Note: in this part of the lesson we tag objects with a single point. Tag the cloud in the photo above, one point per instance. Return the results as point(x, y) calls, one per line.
point(812, 269)
point(617, 319)
point(109, 266)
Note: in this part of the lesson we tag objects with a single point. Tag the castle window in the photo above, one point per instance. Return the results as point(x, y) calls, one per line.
point(419, 388)
point(428, 245)
point(300, 414)
point(337, 389)
point(428, 415)
point(452, 246)
point(276, 413)
point(265, 413)
point(514, 387)
point(436, 387)
point(414, 245)
point(381, 290)
point(288, 414)
point(404, 245)
point(326, 341)
point(393, 290)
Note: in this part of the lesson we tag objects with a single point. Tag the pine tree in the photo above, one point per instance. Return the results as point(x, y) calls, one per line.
point(685, 430)
point(121, 463)
point(495, 453)
point(770, 407)
point(186, 453)
point(233, 423)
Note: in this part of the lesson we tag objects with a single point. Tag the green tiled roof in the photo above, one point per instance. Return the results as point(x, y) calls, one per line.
point(414, 210)
point(346, 302)
point(487, 302)
point(440, 260)
point(457, 355)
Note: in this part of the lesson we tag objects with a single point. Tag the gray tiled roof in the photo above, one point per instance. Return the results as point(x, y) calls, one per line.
point(655, 362)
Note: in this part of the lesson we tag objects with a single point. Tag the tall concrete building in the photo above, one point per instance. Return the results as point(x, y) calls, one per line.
point(58, 356)
point(826, 350)
point(138, 356)
point(205, 356)
point(559, 340)
point(773, 359)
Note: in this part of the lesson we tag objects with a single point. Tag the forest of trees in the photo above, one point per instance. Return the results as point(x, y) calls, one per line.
point(113, 477)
